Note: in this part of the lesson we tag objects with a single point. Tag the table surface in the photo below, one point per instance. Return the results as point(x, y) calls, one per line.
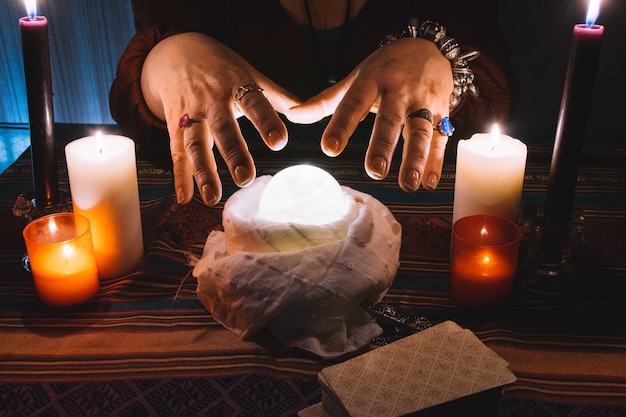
point(146, 346)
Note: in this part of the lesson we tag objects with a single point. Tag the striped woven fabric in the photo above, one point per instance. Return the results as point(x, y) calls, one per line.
point(146, 346)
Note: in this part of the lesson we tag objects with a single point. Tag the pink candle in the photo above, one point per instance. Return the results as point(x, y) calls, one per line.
point(38, 79)
point(575, 109)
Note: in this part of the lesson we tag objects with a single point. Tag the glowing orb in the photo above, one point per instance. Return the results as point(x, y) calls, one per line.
point(303, 194)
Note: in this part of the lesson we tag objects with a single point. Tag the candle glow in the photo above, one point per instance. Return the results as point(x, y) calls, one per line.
point(52, 225)
point(61, 258)
point(593, 11)
point(483, 261)
point(103, 183)
point(31, 8)
point(495, 137)
point(489, 176)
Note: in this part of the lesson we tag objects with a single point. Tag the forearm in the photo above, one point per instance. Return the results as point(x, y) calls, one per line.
point(127, 104)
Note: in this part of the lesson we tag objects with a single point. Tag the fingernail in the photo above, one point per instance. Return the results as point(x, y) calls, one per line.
point(242, 176)
point(180, 196)
point(208, 196)
point(276, 142)
point(378, 168)
point(412, 180)
point(433, 180)
point(331, 146)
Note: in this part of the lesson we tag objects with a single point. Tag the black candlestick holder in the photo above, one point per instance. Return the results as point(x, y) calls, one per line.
point(547, 249)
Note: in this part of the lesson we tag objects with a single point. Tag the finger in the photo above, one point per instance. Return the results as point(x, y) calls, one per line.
point(198, 146)
point(233, 148)
point(183, 174)
point(417, 133)
point(280, 99)
point(385, 135)
point(434, 163)
point(319, 106)
point(252, 101)
point(353, 107)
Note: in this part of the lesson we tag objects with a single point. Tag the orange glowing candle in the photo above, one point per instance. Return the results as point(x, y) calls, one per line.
point(103, 181)
point(483, 261)
point(481, 277)
point(62, 259)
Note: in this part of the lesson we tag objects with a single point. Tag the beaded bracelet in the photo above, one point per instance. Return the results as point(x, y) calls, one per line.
point(462, 74)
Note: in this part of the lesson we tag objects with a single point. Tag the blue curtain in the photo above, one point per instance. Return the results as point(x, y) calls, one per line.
point(87, 38)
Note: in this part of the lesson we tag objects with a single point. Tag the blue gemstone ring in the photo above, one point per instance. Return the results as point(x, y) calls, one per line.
point(445, 127)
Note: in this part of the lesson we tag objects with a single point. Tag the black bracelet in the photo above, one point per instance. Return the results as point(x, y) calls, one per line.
point(462, 74)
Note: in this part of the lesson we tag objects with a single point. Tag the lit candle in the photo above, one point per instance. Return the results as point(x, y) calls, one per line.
point(62, 260)
point(103, 183)
point(38, 79)
point(576, 103)
point(489, 176)
point(483, 261)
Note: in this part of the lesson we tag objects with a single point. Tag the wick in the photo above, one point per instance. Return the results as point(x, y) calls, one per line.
point(493, 148)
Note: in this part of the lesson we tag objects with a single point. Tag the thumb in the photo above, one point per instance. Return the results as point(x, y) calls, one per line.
point(320, 105)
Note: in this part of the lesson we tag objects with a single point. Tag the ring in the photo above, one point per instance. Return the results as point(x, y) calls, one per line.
point(445, 127)
point(242, 90)
point(422, 113)
point(186, 121)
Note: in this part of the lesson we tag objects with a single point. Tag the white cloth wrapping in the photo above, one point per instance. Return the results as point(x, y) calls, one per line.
point(305, 284)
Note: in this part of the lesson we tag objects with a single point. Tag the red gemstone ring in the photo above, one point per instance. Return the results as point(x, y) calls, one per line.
point(186, 121)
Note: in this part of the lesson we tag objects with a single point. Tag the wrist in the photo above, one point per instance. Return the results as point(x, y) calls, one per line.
point(462, 73)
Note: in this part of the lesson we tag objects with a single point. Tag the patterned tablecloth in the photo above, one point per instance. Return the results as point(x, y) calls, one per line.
point(146, 346)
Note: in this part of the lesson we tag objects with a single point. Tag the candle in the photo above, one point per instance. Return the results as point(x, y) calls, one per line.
point(38, 79)
point(489, 176)
point(483, 261)
point(61, 258)
point(575, 108)
point(103, 183)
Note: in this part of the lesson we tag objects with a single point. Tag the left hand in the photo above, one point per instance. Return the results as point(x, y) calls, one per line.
point(394, 81)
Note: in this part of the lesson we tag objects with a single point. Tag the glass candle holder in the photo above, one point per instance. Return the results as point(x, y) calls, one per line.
point(484, 257)
point(62, 259)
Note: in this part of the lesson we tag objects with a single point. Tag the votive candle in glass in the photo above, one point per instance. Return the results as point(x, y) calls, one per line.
point(484, 257)
point(62, 259)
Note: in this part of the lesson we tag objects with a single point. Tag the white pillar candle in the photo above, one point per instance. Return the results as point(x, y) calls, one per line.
point(103, 183)
point(489, 176)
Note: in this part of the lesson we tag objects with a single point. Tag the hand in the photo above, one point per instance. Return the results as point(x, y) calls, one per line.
point(193, 74)
point(394, 81)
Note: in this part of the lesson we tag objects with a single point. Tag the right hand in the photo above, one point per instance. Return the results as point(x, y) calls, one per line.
point(193, 74)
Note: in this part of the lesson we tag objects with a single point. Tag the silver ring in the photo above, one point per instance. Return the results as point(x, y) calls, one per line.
point(421, 113)
point(186, 121)
point(445, 127)
point(242, 90)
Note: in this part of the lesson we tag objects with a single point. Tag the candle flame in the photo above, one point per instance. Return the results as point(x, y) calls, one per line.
point(495, 136)
point(31, 8)
point(593, 11)
point(99, 140)
point(67, 253)
point(52, 226)
point(484, 232)
point(486, 259)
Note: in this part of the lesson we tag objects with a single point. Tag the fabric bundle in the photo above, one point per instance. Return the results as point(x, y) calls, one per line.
point(304, 283)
